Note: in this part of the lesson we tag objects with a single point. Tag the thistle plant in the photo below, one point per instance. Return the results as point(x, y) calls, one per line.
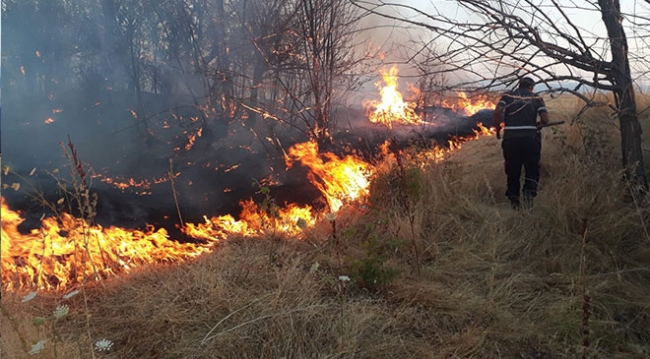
point(268, 207)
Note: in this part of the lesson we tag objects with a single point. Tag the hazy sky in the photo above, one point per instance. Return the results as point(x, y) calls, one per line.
point(587, 19)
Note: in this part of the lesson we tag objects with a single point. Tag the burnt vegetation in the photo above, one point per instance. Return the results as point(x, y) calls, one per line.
point(221, 88)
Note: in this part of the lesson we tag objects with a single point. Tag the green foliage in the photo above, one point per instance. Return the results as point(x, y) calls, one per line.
point(267, 206)
point(395, 187)
point(372, 271)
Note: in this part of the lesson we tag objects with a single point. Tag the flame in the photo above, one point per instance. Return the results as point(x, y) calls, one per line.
point(468, 106)
point(68, 250)
point(483, 131)
point(392, 108)
point(254, 221)
point(340, 180)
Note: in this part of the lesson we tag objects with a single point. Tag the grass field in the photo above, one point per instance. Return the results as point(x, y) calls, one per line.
point(439, 265)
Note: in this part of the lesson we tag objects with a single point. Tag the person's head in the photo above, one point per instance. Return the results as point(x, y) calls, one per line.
point(527, 83)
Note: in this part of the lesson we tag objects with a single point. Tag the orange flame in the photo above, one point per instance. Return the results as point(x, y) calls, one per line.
point(468, 106)
point(392, 108)
point(66, 251)
point(69, 251)
point(340, 180)
point(483, 131)
point(254, 221)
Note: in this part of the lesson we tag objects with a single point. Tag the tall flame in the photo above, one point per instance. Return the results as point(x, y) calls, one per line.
point(340, 180)
point(392, 108)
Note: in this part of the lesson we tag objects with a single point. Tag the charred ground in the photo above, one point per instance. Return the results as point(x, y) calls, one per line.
point(211, 175)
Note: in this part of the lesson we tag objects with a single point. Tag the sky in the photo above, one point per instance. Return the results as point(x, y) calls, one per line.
point(588, 21)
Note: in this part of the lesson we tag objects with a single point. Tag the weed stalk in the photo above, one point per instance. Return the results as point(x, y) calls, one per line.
point(404, 197)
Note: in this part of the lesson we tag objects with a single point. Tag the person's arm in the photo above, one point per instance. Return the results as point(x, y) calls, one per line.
point(543, 117)
point(543, 112)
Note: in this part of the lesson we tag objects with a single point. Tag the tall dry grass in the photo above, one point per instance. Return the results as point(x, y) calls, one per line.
point(489, 281)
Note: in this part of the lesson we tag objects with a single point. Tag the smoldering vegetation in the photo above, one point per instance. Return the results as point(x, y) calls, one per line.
point(211, 93)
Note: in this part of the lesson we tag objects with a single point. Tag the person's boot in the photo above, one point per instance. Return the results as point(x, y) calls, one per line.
point(528, 201)
point(514, 202)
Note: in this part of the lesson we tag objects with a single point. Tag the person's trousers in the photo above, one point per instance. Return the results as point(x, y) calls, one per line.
point(517, 153)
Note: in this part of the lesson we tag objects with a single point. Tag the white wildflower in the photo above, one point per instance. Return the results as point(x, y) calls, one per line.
point(71, 294)
point(61, 311)
point(29, 297)
point(330, 217)
point(36, 348)
point(103, 345)
point(344, 278)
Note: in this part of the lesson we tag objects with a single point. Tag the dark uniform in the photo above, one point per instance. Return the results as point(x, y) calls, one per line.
point(521, 141)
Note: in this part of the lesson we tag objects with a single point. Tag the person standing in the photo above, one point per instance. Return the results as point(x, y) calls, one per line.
point(517, 110)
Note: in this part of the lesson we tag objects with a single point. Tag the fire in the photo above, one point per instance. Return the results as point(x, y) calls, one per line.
point(65, 251)
point(483, 131)
point(68, 250)
point(392, 108)
point(340, 180)
point(254, 221)
point(469, 106)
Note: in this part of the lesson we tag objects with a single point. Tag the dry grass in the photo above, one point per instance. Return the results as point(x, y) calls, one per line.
point(492, 282)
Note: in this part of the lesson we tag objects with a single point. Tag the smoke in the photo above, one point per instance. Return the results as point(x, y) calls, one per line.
point(147, 110)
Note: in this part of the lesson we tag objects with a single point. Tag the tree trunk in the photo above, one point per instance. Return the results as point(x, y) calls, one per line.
point(631, 144)
point(223, 88)
point(258, 73)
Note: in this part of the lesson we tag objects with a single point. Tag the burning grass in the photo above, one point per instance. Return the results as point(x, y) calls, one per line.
point(440, 267)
